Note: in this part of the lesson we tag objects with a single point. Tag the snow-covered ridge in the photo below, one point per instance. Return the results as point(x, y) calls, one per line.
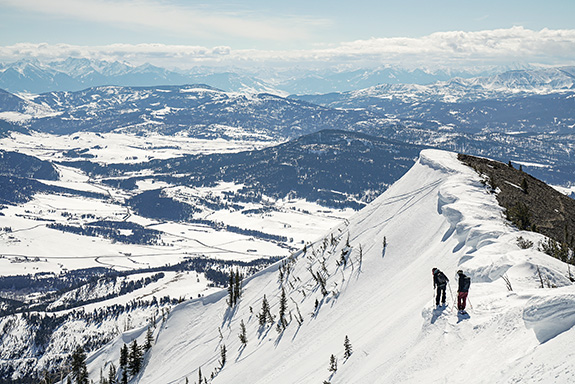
point(370, 280)
point(508, 84)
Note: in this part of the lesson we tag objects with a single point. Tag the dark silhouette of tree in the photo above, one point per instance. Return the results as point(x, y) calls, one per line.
point(332, 363)
point(112, 374)
point(135, 358)
point(223, 352)
point(149, 339)
point(282, 322)
point(234, 287)
point(243, 336)
point(124, 355)
point(347, 347)
point(79, 369)
point(238, 286)
point(265, 315)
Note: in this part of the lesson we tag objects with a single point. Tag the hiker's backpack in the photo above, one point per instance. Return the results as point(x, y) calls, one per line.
point(441, 278)
point(466, 283)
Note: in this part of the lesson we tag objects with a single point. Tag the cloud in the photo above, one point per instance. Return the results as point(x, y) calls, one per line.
point(513, 44)
point(183, 19)
point(455, 48)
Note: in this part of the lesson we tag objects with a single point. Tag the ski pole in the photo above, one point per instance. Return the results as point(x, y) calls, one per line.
point(450, 292)
point(470, 305)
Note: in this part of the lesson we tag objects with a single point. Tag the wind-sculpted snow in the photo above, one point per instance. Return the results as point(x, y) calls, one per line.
point(550, 315)
point(369, 279)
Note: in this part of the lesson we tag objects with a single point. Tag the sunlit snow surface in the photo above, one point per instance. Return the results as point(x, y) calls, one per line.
point(122, 147)
point(438, 215)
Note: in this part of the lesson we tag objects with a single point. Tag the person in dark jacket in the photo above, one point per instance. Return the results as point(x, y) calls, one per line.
point(462, 290)
point(440, 283)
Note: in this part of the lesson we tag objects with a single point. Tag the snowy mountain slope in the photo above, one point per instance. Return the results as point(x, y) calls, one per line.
point(370, 280)
point(194, 110)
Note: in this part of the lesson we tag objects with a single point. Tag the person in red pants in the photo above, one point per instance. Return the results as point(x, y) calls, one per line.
point(462, 291)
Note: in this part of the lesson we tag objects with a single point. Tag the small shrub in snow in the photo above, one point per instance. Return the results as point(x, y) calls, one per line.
point(524, 243)
point(507, 282)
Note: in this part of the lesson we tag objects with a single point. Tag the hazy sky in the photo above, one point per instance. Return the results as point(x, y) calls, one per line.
point(185, 33)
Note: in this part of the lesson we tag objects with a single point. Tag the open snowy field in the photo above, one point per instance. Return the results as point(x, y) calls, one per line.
point(121, 147)
point(30, 246)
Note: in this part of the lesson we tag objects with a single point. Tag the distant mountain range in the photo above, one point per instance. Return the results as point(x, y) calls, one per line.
point(521, 101)
point(75, 74)
point(522, 116)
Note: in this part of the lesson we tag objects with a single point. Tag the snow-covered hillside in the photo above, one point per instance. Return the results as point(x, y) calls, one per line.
point(370, 280)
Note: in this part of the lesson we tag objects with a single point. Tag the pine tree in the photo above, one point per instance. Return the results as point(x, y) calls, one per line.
point(135, 358)
point(347, 347)
point(231, 300)
point(265, 314)
point(149, 339)
point(238, 286)
point(333, 363)
point(124, 357)
point(112, 374)
point(282, 323)
point(223, 353)
point(79, 369)
point(200, 375)
point(243, 337)
point(124, 354)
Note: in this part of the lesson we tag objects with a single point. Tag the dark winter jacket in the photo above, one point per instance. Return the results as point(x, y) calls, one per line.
point(439, 279)
point(464, 283)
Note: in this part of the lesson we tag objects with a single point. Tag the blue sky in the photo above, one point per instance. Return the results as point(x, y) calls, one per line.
point(208, 32)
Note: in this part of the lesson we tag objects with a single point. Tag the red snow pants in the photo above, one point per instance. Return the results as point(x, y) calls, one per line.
point(461, 299)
